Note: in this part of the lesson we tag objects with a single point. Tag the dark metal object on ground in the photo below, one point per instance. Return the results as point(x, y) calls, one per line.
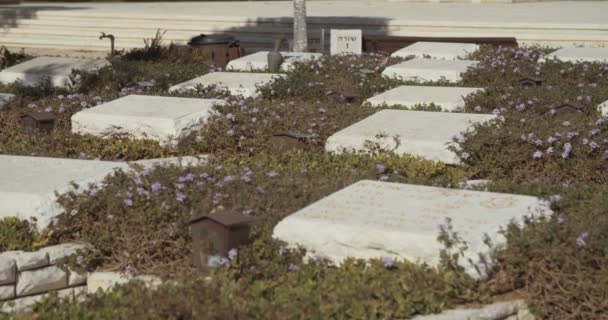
point(38, 122)
point(220, 48)
point(111, 37)
point(390, 44)
point(530, 82)
point(568, 108)
point(289, 141)
point(341, 97)
point(214, 235)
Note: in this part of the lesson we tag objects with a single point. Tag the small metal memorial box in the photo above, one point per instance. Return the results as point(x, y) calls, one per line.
point(38, 121)
point(530, 82)
point(215, 234)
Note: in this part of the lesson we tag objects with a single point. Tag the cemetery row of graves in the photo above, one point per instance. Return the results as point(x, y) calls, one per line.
point(374, 186)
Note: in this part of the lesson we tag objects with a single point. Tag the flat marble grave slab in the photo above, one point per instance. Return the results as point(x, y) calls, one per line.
point(437, 50)
point(5, 98)
point(237, 83)
point(448, 98)
point(28, 184)
point(422, 70)
point(57, 70)
point(373, 219)
point(579, 55)
point(259, 61)
point(165, 119)
point(420, 133)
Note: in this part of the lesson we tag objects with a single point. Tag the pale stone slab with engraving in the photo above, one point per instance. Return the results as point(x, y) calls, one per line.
point(437, 50)
point(55, 69)
point(165, 119)
point(28, 184)
point(603, 108)
point(448, 98)
point(419, 133)
point(575, 54)
point(373, 219)
point(5, 98)
point(346, 41)
point(237, 83)
point(422, 70)
point(259, 61)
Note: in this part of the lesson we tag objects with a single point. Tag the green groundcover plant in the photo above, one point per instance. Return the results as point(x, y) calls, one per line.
point(136, 221)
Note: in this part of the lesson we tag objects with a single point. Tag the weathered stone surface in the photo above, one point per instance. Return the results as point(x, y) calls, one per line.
point(448, 98)
point(31, 260)
point(41, 280)
point(437, 50)
point(372, 219)
point(5, 98)
point(576, 54)
point(7, 292)
point(80, 293)
point(186, 161)
point(165, 119)
point(422, 70)
point(8, 270)
point(509, 310)
point(237, 83)
point(105, 280)
point(57, 70)
point(61, 251)
point(603, 108)
point(345, 41)
point(76, 278)
point(259, 61)
point(421, 133)
point(24, 304)
point(28, 185)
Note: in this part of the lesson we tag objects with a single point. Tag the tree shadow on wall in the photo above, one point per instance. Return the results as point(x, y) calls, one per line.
point(11, 14)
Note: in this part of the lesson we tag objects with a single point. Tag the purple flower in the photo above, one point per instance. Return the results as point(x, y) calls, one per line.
point(581, 240)
point(128, 202)
point(477, 108)
point(388, 262)
point(293, 267)
point(561, 219)
point(593, 144)
point(282, 250)
point(465, 155)
point(555, 198)
point(443, 228)
point(566, 123)
point(247, 212)
point(538, 154)
point(137, 180)
point(79, 260)
point(232, 253)
point(110, 216)
point(156, 187)
point(272, 174)
point(383, 178)
point(230, 132)
point(381, 168)
point(180, 197)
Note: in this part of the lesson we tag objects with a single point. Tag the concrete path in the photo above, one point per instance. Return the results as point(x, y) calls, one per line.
point(77, 25)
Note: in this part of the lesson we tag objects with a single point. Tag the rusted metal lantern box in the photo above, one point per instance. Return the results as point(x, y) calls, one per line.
point(341, 97)
point(568, 108)
point(38, 122)
point(215, 234)
point(220, 49)
point(530, 82)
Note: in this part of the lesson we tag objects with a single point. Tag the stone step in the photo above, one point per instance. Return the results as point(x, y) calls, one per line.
point(418, 133)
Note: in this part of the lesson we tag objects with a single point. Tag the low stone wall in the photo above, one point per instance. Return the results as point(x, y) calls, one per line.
point(26, 277)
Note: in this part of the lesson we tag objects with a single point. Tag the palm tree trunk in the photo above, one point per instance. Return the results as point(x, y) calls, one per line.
point(300, 36)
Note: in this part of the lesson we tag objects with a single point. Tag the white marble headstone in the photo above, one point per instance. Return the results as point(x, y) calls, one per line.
point(421, 70)
point(237, 83)
point(437, 50)
point(346, 41)
point(419, 133)
point(448, 98)
point(165, 119)
point(57, 70)
point(28, 184)
point(373, 219)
